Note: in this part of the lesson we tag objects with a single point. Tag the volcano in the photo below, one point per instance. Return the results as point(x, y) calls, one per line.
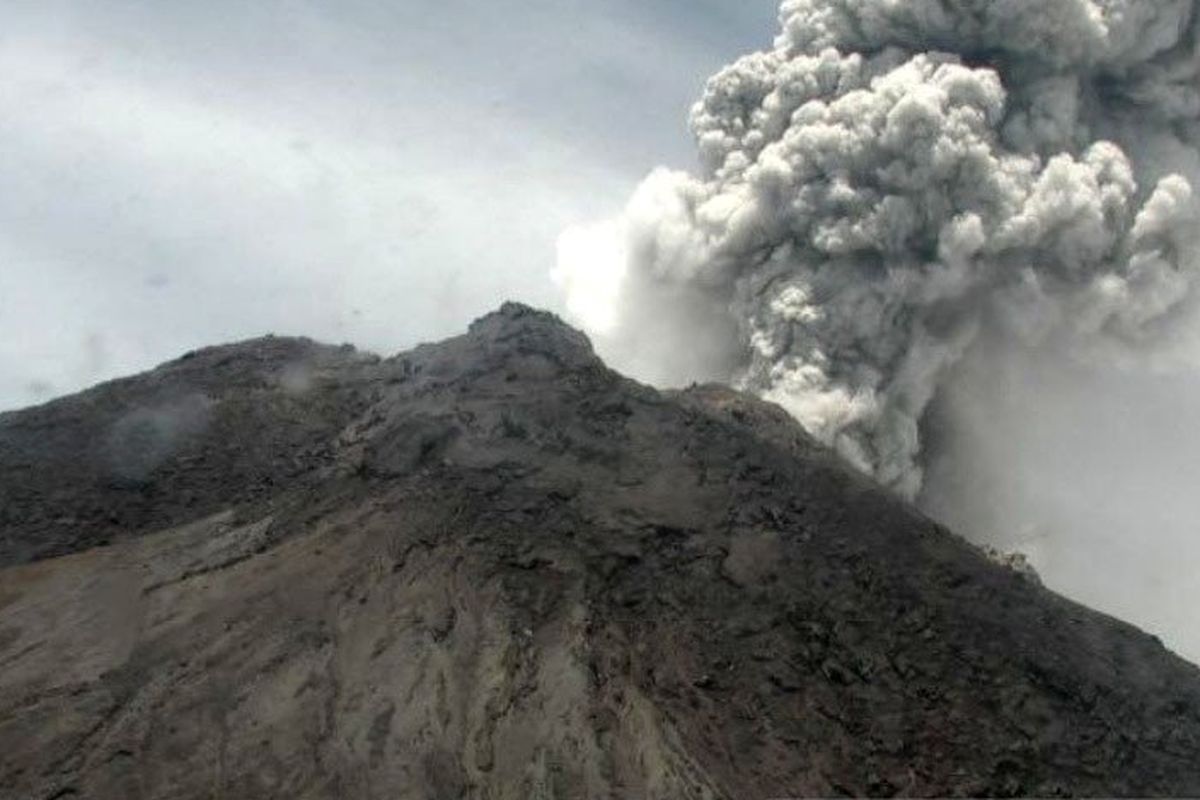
point(491, 567)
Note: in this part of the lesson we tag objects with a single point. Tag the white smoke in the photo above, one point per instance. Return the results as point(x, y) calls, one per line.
point(898, 186)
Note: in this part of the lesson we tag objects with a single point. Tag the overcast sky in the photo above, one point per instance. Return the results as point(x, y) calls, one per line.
point(176, 174)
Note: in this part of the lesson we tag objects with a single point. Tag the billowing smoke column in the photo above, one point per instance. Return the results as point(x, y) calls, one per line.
point(898, 180)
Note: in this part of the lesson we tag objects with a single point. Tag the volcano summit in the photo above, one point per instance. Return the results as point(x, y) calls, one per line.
point(493, 568)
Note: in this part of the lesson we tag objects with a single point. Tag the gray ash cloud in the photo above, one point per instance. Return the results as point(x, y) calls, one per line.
point(892, 184)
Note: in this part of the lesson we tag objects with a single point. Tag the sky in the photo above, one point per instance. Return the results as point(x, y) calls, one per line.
point(177, 174)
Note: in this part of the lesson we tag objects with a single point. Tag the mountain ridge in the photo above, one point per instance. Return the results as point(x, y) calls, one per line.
point(492, 567)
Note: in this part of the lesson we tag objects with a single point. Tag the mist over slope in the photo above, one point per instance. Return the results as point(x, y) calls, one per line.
point(492, 567)
point(899, 197)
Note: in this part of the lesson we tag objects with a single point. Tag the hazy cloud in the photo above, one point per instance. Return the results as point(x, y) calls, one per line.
point(181, 174)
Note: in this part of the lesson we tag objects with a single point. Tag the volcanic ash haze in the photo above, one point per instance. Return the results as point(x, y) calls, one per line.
point(899, 194)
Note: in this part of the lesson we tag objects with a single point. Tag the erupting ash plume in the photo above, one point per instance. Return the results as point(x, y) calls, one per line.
point(896, 183)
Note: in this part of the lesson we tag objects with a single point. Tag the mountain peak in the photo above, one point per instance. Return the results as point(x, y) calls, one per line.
point(492, 567)
point(531, 330)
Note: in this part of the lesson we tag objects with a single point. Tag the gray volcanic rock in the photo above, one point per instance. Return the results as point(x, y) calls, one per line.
point(493, 568)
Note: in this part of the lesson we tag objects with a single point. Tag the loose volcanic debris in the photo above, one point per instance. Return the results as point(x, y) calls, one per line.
point(493, 568)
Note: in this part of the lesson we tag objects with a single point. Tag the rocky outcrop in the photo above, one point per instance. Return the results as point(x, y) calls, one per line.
point(492, 568)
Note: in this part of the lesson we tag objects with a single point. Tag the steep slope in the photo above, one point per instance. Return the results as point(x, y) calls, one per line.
point(492, 568)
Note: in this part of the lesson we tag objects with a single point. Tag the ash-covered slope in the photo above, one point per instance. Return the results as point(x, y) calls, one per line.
point(492, 568)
